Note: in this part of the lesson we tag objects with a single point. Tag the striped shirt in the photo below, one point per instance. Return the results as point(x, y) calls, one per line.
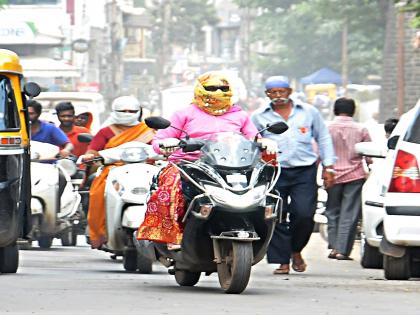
point(345, 134)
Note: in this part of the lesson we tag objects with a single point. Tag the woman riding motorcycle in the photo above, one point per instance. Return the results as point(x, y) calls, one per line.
point(210, 112)
point(122, 126)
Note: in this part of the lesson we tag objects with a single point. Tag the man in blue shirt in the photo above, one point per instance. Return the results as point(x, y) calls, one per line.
point(46, 132)
point(298, 161)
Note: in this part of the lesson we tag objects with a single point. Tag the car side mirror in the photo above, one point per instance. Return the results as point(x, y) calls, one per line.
point(84, 137)
point(392, 142)
point(32, 89)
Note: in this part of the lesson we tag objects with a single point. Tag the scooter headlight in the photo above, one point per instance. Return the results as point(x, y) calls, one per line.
point(228, 198)
point(132, 155)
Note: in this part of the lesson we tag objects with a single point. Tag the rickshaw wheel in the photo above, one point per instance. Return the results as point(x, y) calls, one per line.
point(9, 259)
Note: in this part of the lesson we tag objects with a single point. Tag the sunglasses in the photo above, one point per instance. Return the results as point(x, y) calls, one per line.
point(213, 88)
point(127, 111)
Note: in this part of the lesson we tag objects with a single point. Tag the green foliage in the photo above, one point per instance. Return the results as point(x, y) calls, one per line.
point(412, 6)
point(304, 36)
point(186, 22)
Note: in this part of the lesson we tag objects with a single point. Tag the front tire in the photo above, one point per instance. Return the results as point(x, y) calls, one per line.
point(144, 264)
point(45, 242)
point(370, 256)
point(397, 268)
point(69, 237)
point(235, 270)
point(130, 260)
point(9, 259)
point(186, 278)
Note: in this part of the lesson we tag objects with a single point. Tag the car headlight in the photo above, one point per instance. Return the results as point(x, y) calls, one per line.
point(228, 198)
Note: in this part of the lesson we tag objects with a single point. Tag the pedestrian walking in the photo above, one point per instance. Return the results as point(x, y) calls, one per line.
point(344, 197)
point(298, 161)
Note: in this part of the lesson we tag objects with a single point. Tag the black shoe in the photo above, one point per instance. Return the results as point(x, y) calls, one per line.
point(342, 257)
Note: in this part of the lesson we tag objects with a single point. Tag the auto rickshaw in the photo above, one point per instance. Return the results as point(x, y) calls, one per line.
point(15, 184)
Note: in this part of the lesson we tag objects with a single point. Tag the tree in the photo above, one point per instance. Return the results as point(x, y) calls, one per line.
point(304, 36)
point(186, 20)
point(412, 6)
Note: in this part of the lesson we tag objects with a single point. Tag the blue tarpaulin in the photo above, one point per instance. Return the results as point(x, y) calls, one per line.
point(323, 75)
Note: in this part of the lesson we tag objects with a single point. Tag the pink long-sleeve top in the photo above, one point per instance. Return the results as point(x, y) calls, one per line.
point(199, 124)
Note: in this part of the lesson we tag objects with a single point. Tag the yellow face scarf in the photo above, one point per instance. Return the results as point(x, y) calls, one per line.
point(212, 102)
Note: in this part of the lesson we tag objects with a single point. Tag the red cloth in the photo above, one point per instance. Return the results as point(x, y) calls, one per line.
point(101, 139)
point(79, 147)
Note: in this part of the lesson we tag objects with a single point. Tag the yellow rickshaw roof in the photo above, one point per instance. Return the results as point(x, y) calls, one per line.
point(9, 62)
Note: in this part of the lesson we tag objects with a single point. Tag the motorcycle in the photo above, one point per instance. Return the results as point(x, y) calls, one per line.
point(126, 190)
point(230, 209)
point(55, 204)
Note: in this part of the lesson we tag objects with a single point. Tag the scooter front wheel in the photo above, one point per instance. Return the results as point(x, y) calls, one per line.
point(235, 270)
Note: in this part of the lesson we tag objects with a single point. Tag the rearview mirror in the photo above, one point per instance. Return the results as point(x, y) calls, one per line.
point(157, 122)
point(84, 137)
point(31, 89)
point(278, 127)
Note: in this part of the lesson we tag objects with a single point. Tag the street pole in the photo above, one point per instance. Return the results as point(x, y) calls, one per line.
point(344, 56)
point(400, 63)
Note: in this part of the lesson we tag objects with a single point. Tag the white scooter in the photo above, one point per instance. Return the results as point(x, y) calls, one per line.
point(52, 215)
point(126, 192)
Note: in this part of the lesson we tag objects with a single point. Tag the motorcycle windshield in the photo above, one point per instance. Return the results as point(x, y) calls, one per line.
point(230, 151)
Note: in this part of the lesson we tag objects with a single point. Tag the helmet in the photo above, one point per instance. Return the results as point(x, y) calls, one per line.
point(278, 81)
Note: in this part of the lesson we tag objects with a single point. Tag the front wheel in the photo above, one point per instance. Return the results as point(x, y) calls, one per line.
point(235, 269)
point(397, 268)
point(69, 237)
point(144, 264)
point(130, 260)
point(9, 259)
point(187, 278)
point(45, 241)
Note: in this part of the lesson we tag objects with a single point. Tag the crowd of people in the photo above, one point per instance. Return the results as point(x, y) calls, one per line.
point(307, 144)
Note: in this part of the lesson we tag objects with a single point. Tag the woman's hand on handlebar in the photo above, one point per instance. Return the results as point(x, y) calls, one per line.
point(169, 145)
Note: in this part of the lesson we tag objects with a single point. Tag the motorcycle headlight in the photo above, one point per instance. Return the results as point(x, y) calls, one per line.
point(230, 199)
point(132, 155)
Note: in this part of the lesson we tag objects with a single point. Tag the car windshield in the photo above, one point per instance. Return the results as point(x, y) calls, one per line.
point(413, 132)
point(9, 119)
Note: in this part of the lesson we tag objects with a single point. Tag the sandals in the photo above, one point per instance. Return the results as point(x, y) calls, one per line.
point(298, 264)
point(284, 269)
point(339, 256)
point(333, 254)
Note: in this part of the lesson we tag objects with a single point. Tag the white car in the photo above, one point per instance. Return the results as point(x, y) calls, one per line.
point(391, 201)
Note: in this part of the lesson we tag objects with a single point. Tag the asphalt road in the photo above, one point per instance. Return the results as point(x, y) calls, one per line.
point(78, 280)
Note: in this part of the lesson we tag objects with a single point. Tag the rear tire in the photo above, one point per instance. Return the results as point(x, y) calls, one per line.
point(397, 268)
point(45, 241)
point(187, 278)
point(9, 259)
point(235, 270)
point(370, 257)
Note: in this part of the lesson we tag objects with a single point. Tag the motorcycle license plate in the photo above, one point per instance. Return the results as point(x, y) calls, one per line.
point(236, 178)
